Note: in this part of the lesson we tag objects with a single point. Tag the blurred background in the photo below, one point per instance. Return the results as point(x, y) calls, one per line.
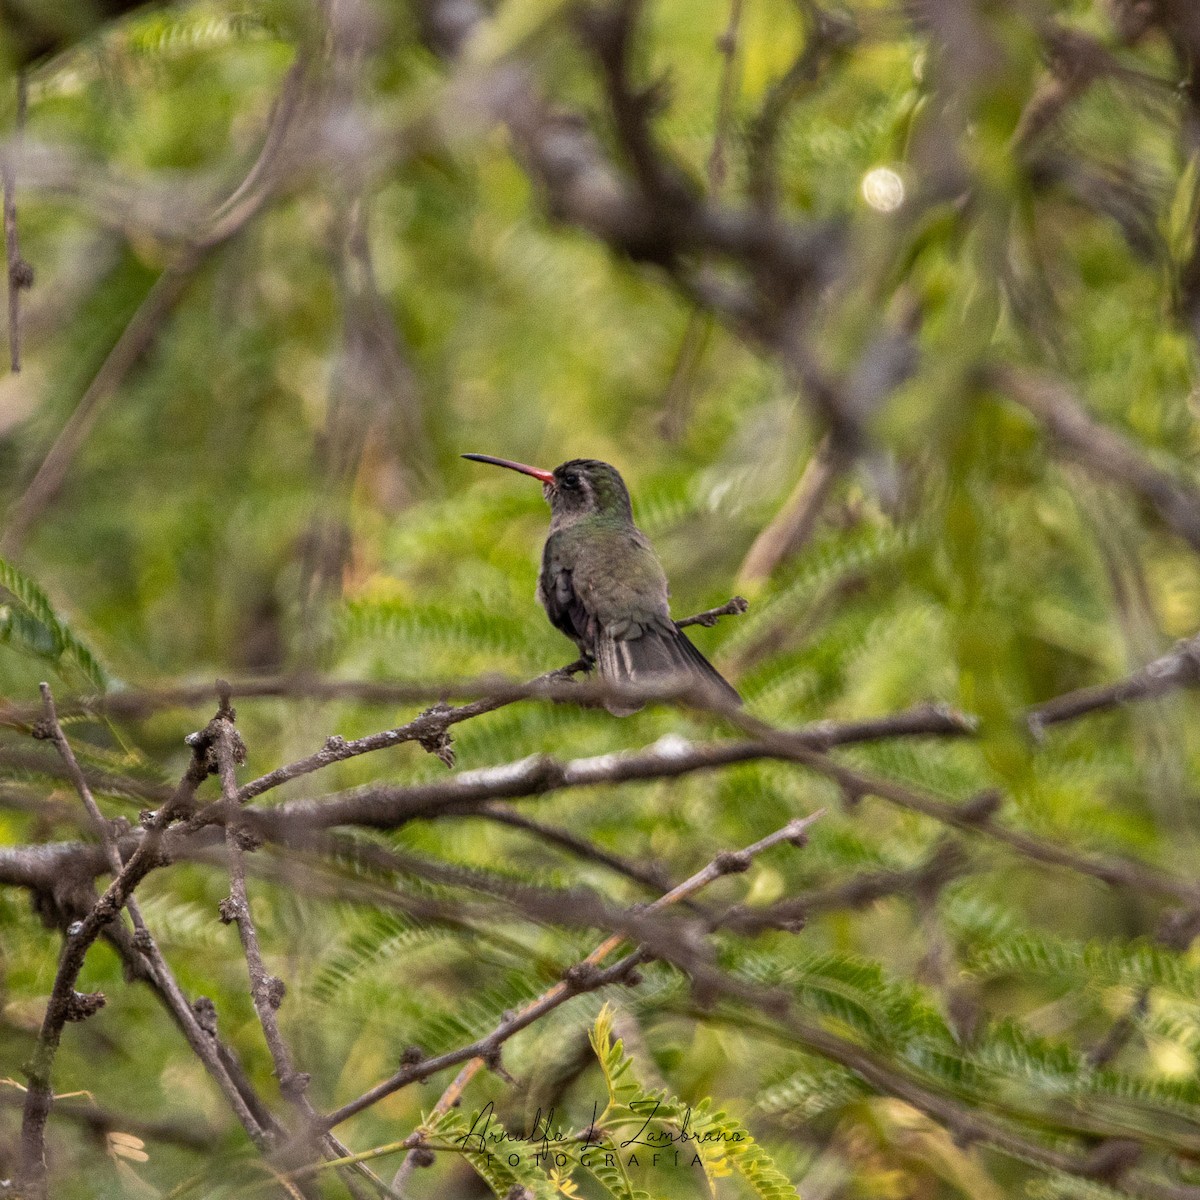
point(886, 312)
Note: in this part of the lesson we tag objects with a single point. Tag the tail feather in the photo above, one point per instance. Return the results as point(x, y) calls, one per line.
point(656, 656)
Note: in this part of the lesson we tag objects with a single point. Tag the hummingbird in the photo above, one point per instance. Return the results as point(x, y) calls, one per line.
point(602, 584)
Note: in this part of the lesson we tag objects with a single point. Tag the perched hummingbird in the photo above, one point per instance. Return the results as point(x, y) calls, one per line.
point(602, 584)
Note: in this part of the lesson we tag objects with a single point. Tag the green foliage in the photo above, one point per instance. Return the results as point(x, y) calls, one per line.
point(29, 624)
point(720, 1140)
point(1140, 963)
point(258, 495)
point(495, 1169)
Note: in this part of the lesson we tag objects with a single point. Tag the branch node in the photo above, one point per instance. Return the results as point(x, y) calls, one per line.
point(422, 1156)
point(42, 730)
point(275, 990)
point(731, 862)
point(580, 977)
point(294, 1086)
point(851, 796)
point(206, 1015)
point(21, 274)
point(412, 1055)
point(492, 1059)
point(229, 910)
point(335, 743)
point(982, 807)
point(546, 774)
point(82, 1005)
point(799, 838)
point(437, 741)
point(247, 839)
point(204, 741)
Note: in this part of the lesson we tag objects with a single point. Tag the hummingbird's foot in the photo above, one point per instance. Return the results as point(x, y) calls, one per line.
point(581, 666)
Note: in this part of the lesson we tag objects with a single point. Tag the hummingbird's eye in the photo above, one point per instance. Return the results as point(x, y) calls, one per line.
point(572, 480)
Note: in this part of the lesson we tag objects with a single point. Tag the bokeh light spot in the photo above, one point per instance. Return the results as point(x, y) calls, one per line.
point(883, 189)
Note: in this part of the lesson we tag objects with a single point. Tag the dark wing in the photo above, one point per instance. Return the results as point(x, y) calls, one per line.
point(613, 605)
point(562, 603)
point(655, 652)
point(621, 592)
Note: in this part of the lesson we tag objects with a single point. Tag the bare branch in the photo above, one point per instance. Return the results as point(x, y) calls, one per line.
point(586, 976)
point(151, 960)
point(266, 990)
point(20, 273)
point(139, 334)
point(1106, 453)
point(709, 617)
point(63, 1006)
point(1178, 669)
point(793, 524)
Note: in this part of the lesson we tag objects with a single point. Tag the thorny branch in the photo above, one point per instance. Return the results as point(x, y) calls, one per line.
point(130, 855)
point(66, 1004)
point(143, 954)
point(579, 978)
point(266, 990)
point(643, 204)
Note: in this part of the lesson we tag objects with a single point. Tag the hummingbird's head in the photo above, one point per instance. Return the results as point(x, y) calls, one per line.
point(587, 485)
point(576, 489)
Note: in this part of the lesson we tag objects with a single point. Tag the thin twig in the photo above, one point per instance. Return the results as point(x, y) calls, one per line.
point(139, 334)
point(708, 618)
point(200, 1040)
point(66, 1004)
point(791, 527)
point(649, 878)
point(1179, 668)
point(727, 47)
point(20, 273)
point(699, 327)
point(1101, 450)
point(580, 978)
point(192, 1135)
point(137, 703)
point(266, 990)
point(134, 341)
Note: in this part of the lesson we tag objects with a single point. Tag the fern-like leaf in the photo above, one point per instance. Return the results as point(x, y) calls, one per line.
point(29, 623)
point(720, 1140)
